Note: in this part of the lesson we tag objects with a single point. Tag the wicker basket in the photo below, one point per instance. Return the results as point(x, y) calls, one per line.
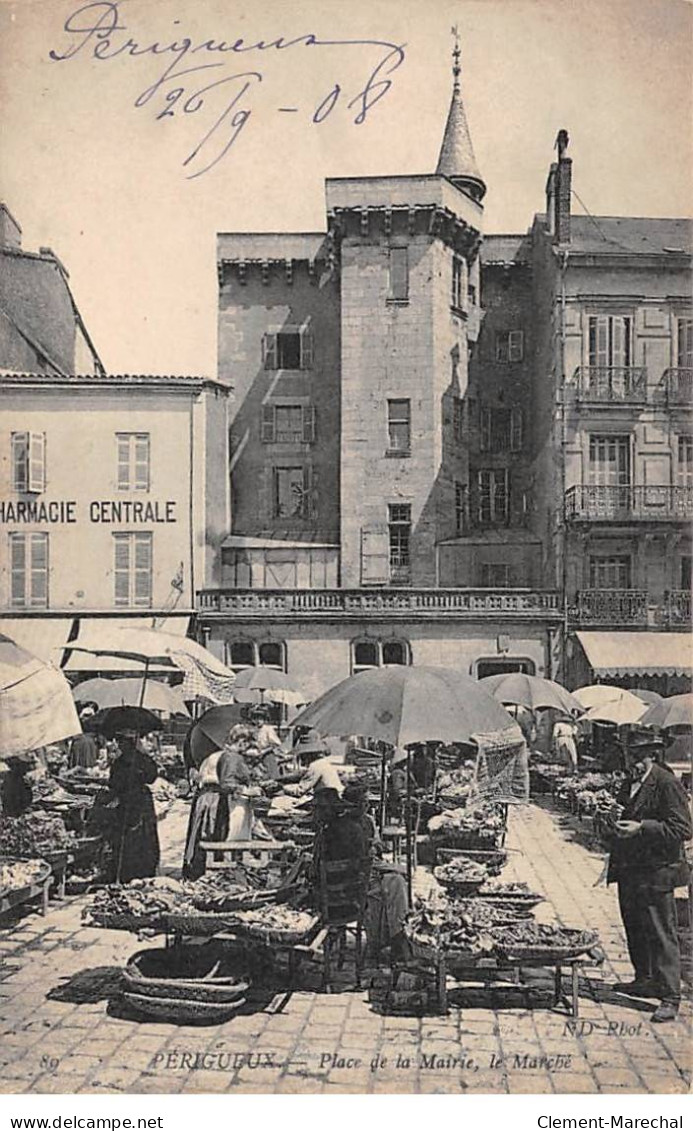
point(512, 902)
point(458, 887)
point(583, 942)
point(200, 923)
point(133, 923)
point(183, 1011)
point(458, 838)
point(185, 974)
point(14, 897)
point(268, 936)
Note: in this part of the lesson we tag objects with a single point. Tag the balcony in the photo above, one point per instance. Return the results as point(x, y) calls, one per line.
point(677, 387)
point(396, 604)
point(589, 503)
point(610, 385)
point(677, 608)
point(610, 607)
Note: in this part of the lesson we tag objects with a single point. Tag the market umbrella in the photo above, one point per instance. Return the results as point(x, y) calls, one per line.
point(154, 695)
point(530, 691)
point(209, 732)
point(205, 675)
point(262, 684)
point(118, 720)
point(36, 707)
point(674, 711)
point(597, 694)
point(647, 696)
point(405, 705)
point(623, 711)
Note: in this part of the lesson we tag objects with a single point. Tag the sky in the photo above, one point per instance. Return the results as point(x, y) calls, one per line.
point(129, 179)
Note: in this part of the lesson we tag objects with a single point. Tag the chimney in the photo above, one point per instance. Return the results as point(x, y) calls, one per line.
point(10, 231)
point(558, 190)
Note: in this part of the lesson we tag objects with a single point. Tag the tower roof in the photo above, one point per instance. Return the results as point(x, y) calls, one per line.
point(457, 161)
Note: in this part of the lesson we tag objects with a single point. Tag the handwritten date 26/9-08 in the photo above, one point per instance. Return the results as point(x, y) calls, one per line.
point(195, 78)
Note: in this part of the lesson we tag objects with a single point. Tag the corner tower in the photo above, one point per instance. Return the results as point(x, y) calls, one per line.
point(456, 161)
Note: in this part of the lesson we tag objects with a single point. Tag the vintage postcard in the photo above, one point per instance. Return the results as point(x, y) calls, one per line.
point(346, 486)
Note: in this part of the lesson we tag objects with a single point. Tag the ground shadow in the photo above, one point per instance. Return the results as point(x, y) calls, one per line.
point(88, 986)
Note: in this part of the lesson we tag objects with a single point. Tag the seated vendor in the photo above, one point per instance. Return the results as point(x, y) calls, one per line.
point(321, 776)
point(350, 834)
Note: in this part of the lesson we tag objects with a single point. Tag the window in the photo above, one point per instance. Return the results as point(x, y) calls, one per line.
point(399, 529)
point(685, 461)
point(685, 573)
point(503, 667)
point(510, 346)
point(684, 343)
point(610, 341)
point(399, 274)
point(495, 575)
point(249, 654)
point(458, 420)
point(610, 573)
point(471, 294)
point(288, 349)
point(459, 282)
point(493, 491)
point(609, 461)
point(29, 461)
point(133, 461)
point(28, 571)
point(292, 492)
point(500, 429)
point(461, 505)
point(399, 426)
point(288, 424)
point(133, 570)
point(367, 654)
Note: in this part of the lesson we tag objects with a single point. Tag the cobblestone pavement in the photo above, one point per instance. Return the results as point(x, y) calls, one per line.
point(60, 1033)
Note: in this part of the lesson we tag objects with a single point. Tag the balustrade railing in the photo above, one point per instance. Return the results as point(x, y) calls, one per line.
point(617, 607)
point(654, 502)
point(678, 386)
point(610, 384)
point(378, 602)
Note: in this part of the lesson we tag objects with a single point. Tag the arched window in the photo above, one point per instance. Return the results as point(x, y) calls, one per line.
point(272, 653)
point(367, 654)
point(395, 652)
point(240, 654)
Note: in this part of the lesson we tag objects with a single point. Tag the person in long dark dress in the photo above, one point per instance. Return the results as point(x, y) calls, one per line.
point(16, 793)
point(134, 839)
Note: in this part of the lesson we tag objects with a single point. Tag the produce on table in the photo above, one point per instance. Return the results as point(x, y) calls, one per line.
point(454, 788)
point(278, 918)
point(19, 874)
point(77, 774)
point(140, 899)
point(438, 924)
point(170, 764)
point(481, 824)
point(34, 834)
point(479, 914)
point(460, 871)
point(541, 936)
point(45, 788)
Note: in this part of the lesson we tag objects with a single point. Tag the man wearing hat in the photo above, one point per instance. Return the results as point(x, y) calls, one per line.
point(647, 862)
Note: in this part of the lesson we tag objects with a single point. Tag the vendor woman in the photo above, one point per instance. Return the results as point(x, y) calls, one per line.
point(235, 778)
point(209, 817)
point(133, 837)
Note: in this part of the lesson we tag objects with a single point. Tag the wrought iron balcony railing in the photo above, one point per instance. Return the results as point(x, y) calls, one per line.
point(677, 608)
point(613, 607)
point(601, 384)
point(677, 386)
point(345, 604)
point(587, 503)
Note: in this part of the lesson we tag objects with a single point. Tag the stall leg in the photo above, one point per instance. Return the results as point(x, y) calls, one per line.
point(44, 897)
point(575, 980)
point(558, 986)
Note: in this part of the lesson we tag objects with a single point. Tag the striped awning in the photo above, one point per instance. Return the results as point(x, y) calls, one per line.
point(638, 653)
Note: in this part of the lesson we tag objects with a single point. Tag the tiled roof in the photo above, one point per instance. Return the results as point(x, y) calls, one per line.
point(457, 161)
point(628, 235)
point(171, 380)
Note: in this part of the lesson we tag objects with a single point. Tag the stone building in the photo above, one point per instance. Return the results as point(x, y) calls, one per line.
point(351, 494)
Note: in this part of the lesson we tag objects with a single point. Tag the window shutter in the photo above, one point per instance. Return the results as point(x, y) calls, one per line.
point(516, 429)
point(375, 555)
point(123, 469)
point(501, 496)
point(399, 273)
point(515, 345)
point(141, 444)
point(599, 341)
point(306, 349)
point(684, 351)
point(20, 461)
point(618, 342)
point(38, 596)
point(309, 492)
point(485, 420)
point(268, 425)
point(121, 568)
point(308, 424)
point(17, 570)
point(143, 570)
point(37, 461)
point(269, 351)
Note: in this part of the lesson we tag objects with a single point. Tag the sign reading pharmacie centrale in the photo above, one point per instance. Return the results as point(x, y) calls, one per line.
point(105, 511)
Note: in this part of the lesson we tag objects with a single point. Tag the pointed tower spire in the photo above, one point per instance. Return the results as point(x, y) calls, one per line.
point(457, 161)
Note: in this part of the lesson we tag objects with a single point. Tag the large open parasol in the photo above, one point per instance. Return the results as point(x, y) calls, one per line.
point(123, 720)
point(530, 691)
point(267, 685)
point(405, 705)
point(153, 695)
point(36, 707)
point(209, 732)
point(605, 704)
point(674, 711)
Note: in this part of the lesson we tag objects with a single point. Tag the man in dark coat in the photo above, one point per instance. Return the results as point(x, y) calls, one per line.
point(647, 862)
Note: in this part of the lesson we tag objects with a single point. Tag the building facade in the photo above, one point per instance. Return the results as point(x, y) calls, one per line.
point(352, 474)
point(113, 500)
